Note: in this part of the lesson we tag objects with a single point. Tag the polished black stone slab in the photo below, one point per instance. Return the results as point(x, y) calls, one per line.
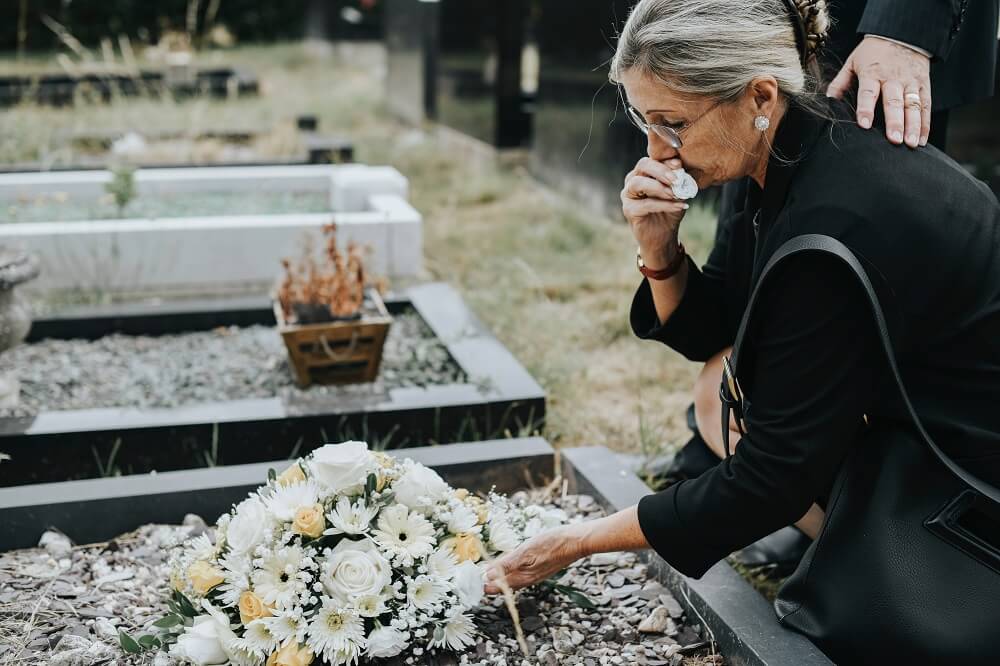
point(59, 445)
point(411, 41)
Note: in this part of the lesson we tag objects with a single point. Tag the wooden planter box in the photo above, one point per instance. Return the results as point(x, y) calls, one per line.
point(337, 352)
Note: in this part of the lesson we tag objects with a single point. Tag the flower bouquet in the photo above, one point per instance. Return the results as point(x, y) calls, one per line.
point(347, 556)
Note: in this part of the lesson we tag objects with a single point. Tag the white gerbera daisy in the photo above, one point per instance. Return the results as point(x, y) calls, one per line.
point(286, 500)
point(258, 640)
point(348, 518)
point(404, 533)
point(442, 563)
point(457, 634)
point(338, 634)
point(426, 591)
point(277, 581)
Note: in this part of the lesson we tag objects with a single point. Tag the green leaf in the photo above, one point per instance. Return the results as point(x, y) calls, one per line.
point(128, 643)
point(371, 485)
point(149, 642)
point(271, 474)
point(578, 597)
point(185, 606)
point(168, 621)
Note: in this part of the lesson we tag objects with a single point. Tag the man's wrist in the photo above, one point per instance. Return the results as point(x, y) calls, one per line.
point(924, 52)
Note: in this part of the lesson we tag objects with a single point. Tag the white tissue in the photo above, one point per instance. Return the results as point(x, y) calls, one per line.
point(684, 186)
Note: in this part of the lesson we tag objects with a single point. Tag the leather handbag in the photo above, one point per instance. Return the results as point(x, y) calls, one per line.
point(906, 568)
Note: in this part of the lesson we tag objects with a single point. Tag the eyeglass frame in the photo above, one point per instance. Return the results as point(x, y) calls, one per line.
point(665, 132)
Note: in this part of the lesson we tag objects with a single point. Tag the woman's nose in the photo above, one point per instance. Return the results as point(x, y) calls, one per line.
point(659, 148)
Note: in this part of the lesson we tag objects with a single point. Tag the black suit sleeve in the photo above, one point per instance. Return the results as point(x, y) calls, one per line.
point(930, 24)
point(813, 359)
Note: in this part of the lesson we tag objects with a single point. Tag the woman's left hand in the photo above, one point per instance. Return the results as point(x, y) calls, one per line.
point(536, 559)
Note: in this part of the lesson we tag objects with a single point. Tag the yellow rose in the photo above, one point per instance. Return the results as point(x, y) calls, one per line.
point(291, 655)
point(461, 494)
point(252, 608)
point(309, 521)
point(204, 576)
point(293, 474)
point(466, 546)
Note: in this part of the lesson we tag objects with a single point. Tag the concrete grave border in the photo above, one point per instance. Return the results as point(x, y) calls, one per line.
point(500, 394)
point(213, 253)
point(742, 622)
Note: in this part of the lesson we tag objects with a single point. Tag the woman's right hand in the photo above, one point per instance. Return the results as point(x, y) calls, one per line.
point(652, 210)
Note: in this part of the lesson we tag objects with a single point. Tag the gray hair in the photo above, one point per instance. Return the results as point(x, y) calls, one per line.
point(715, 48)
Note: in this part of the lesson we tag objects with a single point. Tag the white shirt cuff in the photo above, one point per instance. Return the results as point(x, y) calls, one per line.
point(923, 52)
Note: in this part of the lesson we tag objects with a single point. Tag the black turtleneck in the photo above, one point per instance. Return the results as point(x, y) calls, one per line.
point(811, 366)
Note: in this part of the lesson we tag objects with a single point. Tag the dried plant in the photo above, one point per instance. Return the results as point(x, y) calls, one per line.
point(338, 284)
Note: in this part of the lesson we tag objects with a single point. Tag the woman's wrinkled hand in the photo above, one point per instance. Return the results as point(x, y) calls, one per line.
point(535, 560)
point(652, 210)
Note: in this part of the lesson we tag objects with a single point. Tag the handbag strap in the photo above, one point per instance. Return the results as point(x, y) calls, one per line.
point(832, 246)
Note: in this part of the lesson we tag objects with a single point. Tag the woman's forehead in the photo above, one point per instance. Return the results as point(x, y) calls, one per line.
point(646, 93)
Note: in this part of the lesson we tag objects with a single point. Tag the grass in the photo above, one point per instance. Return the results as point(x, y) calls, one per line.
point(553, 280)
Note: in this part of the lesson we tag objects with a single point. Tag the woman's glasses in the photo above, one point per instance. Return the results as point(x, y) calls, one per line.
point(669, 134)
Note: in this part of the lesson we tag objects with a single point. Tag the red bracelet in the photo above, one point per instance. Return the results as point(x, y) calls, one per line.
point(668, 271)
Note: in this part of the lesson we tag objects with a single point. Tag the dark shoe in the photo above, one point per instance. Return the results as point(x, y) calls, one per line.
point(782, 549)
point(693, 460)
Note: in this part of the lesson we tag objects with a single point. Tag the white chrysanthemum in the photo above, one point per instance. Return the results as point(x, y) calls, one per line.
point(426, 591)
point(457, 634)
point(503, 537)
point(249, 525)
point(277, 580)
point(370, 605)
point(258, 640)
point(404, 533)
point(236, 568)
point(284, 627)
point(348, 518)
point(442, 563)
point(463, 519)
point(201, 548)
point(286, 500)
point(338, 634)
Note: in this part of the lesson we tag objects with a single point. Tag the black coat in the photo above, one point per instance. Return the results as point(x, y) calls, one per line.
point(960, 34)
point(929, 235)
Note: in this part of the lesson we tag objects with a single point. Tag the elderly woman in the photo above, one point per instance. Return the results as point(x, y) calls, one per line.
point(727, 89)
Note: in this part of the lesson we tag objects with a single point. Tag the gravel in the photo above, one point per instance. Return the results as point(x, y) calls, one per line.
point(64, 604)
point(229, 363)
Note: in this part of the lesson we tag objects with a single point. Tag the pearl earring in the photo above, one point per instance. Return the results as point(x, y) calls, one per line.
point(761, 123)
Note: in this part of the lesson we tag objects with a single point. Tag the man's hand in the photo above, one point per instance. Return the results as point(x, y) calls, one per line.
point(901, 76)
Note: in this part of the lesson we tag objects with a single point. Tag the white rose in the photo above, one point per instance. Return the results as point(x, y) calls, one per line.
point(247, 527)
point(207, 640)
point(469, 583)
point(503, 537)
point(420, 487)
point(338, 467)
point(386, 642)
point(355, 569)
